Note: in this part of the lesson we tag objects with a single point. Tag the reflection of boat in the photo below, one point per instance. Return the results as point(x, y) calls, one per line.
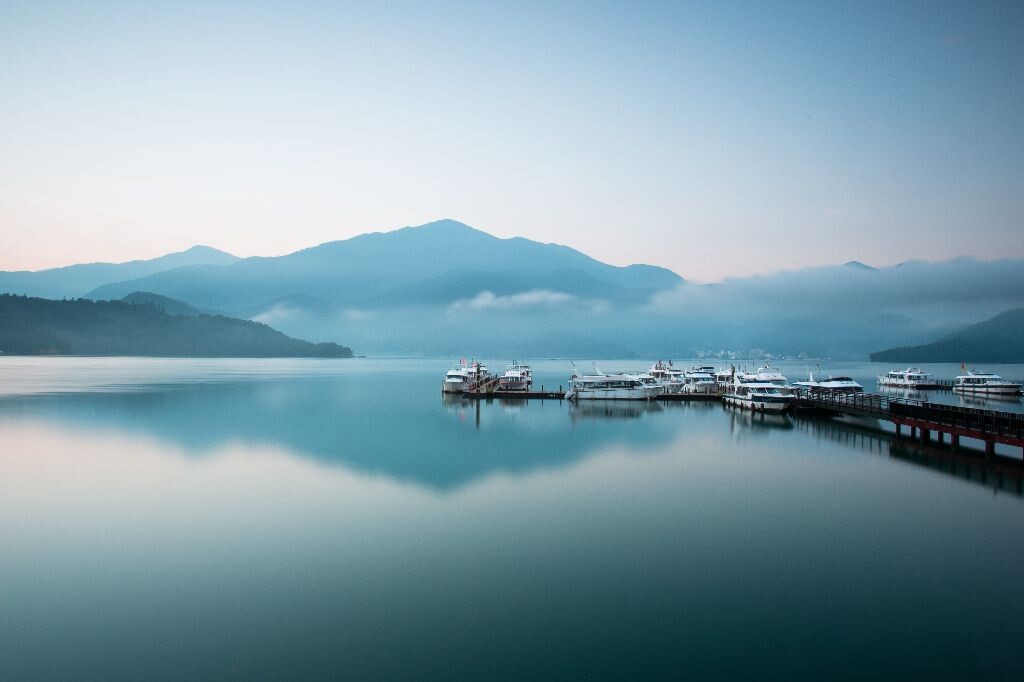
point(613, 410)
point(762, 420)
point(764, 390)
point(911, 377)
point(985, 383)
point(987, 399)
point(831, 384)
point(602, 386)
point(908, 393)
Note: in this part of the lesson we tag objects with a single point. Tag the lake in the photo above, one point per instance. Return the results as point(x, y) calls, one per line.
point(211, 519)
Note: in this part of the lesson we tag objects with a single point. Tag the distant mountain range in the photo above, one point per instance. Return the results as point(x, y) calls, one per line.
point(437, 262)
point(445, 288)
point(75, 281)
point(38, 326)
point(998, 340)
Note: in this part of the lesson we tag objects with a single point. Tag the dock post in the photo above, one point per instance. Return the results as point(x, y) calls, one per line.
point(899, 429)
point(925, 435)
point(913, 432)
point(954, 440)
point(990, 447)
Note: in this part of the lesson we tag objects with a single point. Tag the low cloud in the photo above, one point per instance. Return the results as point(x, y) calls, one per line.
point(488, 300)
point(276, 315)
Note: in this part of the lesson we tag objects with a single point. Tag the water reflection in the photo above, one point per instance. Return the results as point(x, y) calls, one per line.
point(612, 409)
point(347, 421)
point(1000, 474)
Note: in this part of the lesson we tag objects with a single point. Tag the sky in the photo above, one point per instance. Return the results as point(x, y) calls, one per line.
point(717, 139)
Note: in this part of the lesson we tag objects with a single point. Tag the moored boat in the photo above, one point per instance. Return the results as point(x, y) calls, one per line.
point(985, 383)
point(766, 390)
point(514, 380)
point(601, 386)
point(912, 378)
point(456, 380)
point(830, 385)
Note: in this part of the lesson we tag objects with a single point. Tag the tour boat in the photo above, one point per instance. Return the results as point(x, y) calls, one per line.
point(668, 376)
point(514, 380)
point(600, 386)
point(699, 380)
point(456, 380)
point(765, 390)
point(831, 384)
point(912, 377)
point(522, 367)
point(986, 383)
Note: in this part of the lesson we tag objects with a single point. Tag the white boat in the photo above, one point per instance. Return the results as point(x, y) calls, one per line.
point(765, 390)
point(723, 377)
point(831, 384)
point(699, 380)
point(985, 383)
point(671, 378)
point(600, 386)
point(514, 380)
point(911, 377)
point(523, 368)
point(456, 380)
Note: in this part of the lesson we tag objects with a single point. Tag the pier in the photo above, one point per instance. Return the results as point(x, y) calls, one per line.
point(922, 418)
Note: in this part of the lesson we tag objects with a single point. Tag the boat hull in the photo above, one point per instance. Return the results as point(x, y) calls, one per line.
point(644, 393)
point(759, 403)
point(1005, 389)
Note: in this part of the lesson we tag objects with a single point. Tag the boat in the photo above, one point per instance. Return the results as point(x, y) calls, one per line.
point(723, 377)
point(985, 383)
point(830, 385)
point(766, 390)
point(912, 378)
point(514, 380)
point(601, 386)
point(699, 380)
point(522, 367)
point(671, 378)
point(456, 380)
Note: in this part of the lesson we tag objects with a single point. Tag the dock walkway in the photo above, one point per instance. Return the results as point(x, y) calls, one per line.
point(988, 426)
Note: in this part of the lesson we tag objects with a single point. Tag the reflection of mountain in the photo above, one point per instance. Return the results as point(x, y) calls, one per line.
point(348, 421)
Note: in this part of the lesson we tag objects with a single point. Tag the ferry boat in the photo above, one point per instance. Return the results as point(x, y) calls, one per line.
point(671, 378)
point(602, 386)
point(723, 377)
point(699, 380)
point(985, 383)
point(514, 380)
point(522, 367)
point(765, 390)
point(831, 384)
point(455, 381)
point(911, 377)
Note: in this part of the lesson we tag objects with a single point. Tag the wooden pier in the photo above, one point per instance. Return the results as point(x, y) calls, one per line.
point(923, 418)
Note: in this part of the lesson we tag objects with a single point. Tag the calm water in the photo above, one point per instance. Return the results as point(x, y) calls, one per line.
point(316, 518)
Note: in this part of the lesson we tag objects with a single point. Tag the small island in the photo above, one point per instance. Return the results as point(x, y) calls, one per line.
point(40, 326)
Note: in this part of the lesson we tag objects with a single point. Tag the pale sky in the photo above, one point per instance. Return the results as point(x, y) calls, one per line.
point(712, 138)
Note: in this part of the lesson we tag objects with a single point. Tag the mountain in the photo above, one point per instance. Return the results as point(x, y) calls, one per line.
point(380, 268)
point(37, 326)
point(997, 340)
point(73, 281)
point(168, 305)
